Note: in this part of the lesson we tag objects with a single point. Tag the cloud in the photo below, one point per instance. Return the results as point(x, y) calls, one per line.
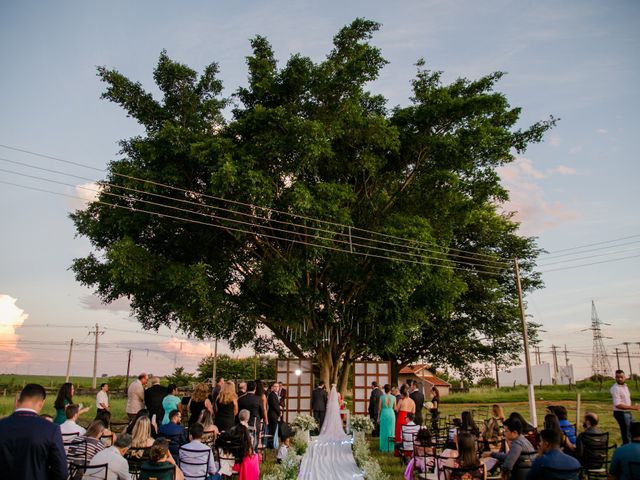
point(602, 131)
point(576, 149)
point(554, 140)
point(11, 317)
point(535, 212)
point(91, 302)
point(563, 170)
point(85, 193)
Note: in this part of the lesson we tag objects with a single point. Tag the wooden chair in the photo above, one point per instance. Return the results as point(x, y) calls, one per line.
point(550, 473)
point(193, 464)
point(95, 472)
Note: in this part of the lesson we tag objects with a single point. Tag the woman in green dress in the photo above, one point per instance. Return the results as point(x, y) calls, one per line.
point(64, 398)
point(386, 419)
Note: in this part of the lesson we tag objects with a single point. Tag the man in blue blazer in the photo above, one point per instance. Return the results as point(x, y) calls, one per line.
point(30, 446)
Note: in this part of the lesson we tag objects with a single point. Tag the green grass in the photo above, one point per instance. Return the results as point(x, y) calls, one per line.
point(16, 382)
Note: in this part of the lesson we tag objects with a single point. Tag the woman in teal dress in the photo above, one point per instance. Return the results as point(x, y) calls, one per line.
point(386, 419)
point(170, 403)
point(64, 398)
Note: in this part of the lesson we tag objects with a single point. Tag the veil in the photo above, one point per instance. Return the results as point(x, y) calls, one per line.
point(332, 425)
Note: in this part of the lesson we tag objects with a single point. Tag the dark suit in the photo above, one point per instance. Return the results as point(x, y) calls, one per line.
point(282, 395)
point(319, 404)
point(31, 448)
point(153, 397)
point(273, 413)
point(418, 399)
point(374, 404)
point(253, 403)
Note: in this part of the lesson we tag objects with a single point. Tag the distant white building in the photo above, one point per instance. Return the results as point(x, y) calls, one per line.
point(541, 375)
point(565, 375)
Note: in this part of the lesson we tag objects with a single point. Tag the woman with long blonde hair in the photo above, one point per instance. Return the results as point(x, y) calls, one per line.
point(200, 400)
point(141, 436)
point(210, 430)
point(226, 406)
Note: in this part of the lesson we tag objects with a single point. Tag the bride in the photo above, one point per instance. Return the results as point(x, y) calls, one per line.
point(330, 454)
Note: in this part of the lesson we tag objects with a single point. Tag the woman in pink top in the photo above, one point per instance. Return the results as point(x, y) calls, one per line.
point(249, 466)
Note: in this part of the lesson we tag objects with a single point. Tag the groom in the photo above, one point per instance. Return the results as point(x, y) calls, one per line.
point(319, 403)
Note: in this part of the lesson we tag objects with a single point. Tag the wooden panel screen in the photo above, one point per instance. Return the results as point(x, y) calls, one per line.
point(363, 374)
point(298, 386)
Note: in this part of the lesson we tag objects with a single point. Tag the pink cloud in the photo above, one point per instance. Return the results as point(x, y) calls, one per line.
point(11, 318)
point(527, 199)
point(91, 302)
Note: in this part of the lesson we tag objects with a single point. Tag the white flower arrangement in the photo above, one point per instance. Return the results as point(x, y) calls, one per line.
point(362, 423)
point(369, 465)
point(288, 469)
point(304, 422)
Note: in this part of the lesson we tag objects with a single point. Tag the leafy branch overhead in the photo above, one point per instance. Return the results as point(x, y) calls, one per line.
point(306, 144)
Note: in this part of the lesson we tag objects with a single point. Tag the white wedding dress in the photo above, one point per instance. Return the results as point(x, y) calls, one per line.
point(329, 456)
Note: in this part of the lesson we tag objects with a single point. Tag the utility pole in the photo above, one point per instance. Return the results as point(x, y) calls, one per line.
point(527, 359)
point(126, 383)
point(626, 344)
point(66, 379)
point(538, 361)
point(554, 349)
point(617, 358)
point(566, 356)
point(495, 363)
point(97, 333)
point(215, 363)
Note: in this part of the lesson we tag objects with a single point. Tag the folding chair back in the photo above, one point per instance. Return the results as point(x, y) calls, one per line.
point(95, 472)
point(157, 472)
point(194, 463)
point(550, 473)
point(456, 473)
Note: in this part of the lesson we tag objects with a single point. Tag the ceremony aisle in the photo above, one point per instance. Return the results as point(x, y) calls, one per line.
point(330, 455)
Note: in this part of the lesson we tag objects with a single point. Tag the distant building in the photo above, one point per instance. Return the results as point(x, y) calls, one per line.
point(541, 375)
point(422, 374)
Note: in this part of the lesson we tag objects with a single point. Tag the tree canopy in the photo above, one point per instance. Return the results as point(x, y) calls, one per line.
point(316, 219)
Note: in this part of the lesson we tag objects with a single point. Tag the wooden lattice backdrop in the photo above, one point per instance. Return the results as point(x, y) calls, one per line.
point(363, 374)
point(298, 386)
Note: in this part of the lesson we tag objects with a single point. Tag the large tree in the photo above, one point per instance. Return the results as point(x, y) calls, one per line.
point(261, 228)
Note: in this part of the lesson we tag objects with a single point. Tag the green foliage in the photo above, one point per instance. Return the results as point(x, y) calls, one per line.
point(308, 139)
point(486, 382)
point(238, 368)
point(180, 378)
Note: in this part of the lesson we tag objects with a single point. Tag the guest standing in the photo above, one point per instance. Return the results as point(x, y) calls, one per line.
point(273, 414)
point(199, 400)
point(251, 402)
point(622, 406)
point(435, 408)
point(418, 398)
point(102, 398)
point(260, 392)
point(64, 398)
point(374, 403)
point(135, 395)
point(153, 397)
point(170, 402)
point(226, 407)
point(319, 403)
point(386, 419)
point(404, 406)
point(31, 447)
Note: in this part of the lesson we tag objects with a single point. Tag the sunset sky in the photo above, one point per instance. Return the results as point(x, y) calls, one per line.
point(576, 60)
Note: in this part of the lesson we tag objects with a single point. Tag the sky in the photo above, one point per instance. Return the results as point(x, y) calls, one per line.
point(575, 60)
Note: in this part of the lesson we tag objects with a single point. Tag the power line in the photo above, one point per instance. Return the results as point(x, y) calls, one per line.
point(583, 246)
point(592, 263)
point(163, 215)
point(236, 202)
point(590, 256)
point(552, 257)
point(349, 235)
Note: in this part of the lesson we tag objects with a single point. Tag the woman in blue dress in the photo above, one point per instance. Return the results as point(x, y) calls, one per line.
point(387, 419)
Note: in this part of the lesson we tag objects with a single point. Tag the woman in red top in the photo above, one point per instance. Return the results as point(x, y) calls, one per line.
point(404, 406)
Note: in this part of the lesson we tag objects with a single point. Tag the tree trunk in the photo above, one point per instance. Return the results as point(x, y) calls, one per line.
point(343, 382)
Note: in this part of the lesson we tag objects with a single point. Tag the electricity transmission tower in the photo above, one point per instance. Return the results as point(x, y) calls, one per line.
point(599, 360)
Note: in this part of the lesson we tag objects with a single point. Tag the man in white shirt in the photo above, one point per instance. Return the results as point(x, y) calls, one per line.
point(102, 398)
point(622, 406)
point(114, 457)
point(195, 455)
point(135, 395)
point(70, 426)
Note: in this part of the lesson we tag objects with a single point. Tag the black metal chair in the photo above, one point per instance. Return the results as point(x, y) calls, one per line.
point(458, 473)
point(150, 471)
point(599, 463)
point(523, 465)
point(95, 472)
point(135, 457)
point(76, 456)
point(634, 470)
point(192, 463)
point(551, 473)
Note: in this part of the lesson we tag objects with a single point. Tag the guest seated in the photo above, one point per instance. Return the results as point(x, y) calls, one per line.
point(143, 413)
point(469, 425)
point(159, 459)
point(567, 428)
point(174, 431)
point(422, 450)
point(141, 437)
point(196, 452)
point(70, 426)
point(551, 422)
point(118, 468)
point(210, 430)
point(467, 455)
point(592, 443)
point(495, 426)
point(408, 431)
point(248, 465)
point(529, 431)
point(552, 457)
point(83, 452)
point(621, 461)
point(520, 451)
